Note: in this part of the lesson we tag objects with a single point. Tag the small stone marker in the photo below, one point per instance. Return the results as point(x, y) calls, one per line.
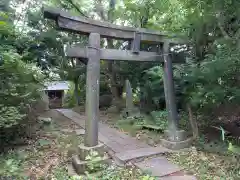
point(158, 166)
point(45, 101)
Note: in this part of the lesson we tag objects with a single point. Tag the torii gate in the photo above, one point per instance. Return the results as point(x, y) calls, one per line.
point(93, 54)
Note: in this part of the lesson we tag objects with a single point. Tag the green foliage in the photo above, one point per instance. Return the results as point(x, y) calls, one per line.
point(213, 81)
point(207, 166)
point(11, 165)
point(160, 119)
point(61, 173)
point(94, 161)
point(9, 116)
point(20, 83)
point(70, 98)
point(232, 148)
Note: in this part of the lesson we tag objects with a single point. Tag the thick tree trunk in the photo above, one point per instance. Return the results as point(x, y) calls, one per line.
point(114, 85)
point(193, 122)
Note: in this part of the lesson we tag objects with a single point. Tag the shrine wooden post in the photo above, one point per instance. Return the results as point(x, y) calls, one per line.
point(169, 93)
point(92, 90)
point(174, 138)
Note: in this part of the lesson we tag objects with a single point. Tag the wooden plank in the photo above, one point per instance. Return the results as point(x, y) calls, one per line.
point(118, 55)
point(86, 26)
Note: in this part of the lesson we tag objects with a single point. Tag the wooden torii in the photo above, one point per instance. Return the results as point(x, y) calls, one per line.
point(93, 53)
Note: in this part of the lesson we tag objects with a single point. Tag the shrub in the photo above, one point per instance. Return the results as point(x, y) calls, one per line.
point(160, 119)
point(20, 87)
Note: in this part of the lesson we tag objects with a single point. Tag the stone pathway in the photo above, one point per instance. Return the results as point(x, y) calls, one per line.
point(124, 149)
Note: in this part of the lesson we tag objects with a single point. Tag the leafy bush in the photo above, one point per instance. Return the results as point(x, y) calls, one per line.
point(153, 88)
point(20, 87)
point(160, 119)
point(214, 81)
point(11, 165)
point(20, 83)
point(70, 98)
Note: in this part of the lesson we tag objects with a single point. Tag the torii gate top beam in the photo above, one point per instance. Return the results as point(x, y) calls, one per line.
point(66, 21)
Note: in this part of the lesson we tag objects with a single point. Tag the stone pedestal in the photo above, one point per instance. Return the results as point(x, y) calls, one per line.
point(81, 164)
point(84, 151)
point(176, 140)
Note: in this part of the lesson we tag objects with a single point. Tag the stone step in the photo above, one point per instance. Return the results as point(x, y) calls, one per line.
point(124, 157)
point(158, 166)
point(185, 177)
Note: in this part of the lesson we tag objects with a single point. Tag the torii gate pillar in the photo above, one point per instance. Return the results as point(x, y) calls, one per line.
point(174, 138)
point(92, 91)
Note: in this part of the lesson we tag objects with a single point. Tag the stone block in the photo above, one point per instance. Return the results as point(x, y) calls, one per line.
point(82, 166)
point(84, 151)
point(176, 145)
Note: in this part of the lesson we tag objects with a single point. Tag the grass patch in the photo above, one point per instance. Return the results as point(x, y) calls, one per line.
point(134, 126)
point(48, 155)
point(51, 148)
point(208, 166)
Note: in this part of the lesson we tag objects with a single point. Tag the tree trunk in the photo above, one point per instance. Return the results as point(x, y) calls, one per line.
point(114, 86)
point(193, 122)
point(76, 91)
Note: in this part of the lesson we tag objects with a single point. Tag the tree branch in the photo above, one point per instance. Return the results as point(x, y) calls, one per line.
point(224, 33)
point(99, 9)
point(76, 8)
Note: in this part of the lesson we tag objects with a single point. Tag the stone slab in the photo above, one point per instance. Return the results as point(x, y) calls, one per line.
point(114, 146)
point(185, 177)
point(141, 152)
point(158, 166)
